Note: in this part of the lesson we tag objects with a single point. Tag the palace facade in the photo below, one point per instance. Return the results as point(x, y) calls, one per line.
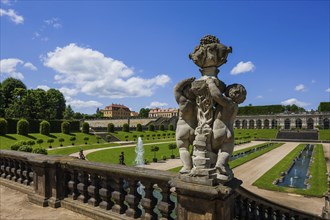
point(165, 113)
point(116, 111)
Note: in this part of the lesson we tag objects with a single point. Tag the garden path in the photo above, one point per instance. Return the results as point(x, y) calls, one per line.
point(252, 170)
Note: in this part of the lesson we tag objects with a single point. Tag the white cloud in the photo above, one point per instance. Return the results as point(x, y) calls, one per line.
point(295, 101)
point(242, 67)
point(92, 73)
point(9, 67)
point(259, 97)
point(53, 22)
point(30, 66)
point(44, 87)
point(79, 104)
point(13, 16)
point(327, 90)
point(157, 104)
point(300, 88)
point(68, 92)
point(5, 2)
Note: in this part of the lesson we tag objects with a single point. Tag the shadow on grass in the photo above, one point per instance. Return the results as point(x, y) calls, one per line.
point(30, 136)
point(51, 136)
point(9, 137)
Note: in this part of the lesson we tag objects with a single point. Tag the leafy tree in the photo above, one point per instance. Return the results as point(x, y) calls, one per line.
point(56, 103)
point(85, 128)
point(2, 102)
point(125, 127)
point(40, 141)
point(23, 127)
point(68, 113)
point(172, 147)
point(162, 127)
point(25, 148)
point(65, 126)
point(98, 113)
point(8, 86)
point(17, 145)
point(111, 127)
point(154, 149)
point(138, 127)
point(78, 115)
point(151, 127)
point(50, 141)
point(61, 140)
point(3, 126)
point(72, 139)
point(44, 127)
point(324, 107)
point(144, 112)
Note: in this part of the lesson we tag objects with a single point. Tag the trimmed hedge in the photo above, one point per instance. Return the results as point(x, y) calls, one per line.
point(3, 126)
point(45, 127)
point(23, 127)
point(85, 128)
point(125, 127)
point(55, 126)
point(65, 127)
point(111, 127)
point(40, 150)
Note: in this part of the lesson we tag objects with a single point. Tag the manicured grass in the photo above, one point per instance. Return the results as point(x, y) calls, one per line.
point(147, 136)
point(324, 134)
point(256, 133)
point(318, 171)
point(112, 155)
point(10, 139)
point(245, 159)
point(242, 160)
point(71, 150)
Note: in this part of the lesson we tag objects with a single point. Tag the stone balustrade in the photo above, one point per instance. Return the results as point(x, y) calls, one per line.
point(110, 191)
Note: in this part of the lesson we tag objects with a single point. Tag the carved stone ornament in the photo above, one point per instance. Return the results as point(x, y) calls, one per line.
point(207, 112)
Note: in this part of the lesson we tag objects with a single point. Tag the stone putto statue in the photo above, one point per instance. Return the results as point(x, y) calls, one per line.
point(207, 112)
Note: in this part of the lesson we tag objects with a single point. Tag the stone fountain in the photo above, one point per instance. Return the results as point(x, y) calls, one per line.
point(207, 112)
point(139, 150)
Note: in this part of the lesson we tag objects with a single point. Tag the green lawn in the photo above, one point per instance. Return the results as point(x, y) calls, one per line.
point(318, 171)
point(147, 136)
point(324, 134)
point(71, 150)
point(9, 139)
point(245, 159)
point(112, 155)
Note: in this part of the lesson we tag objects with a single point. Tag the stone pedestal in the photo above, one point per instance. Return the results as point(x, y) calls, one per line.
point(203, 202)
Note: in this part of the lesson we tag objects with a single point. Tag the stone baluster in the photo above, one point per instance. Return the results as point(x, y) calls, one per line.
point(19, 172)
point(118, 196)
point(260, 212)
point(277, 215)
point(149, 202)
point(166, 206)
point(8, 169)
point(3, 167)
point(105, 193)
point(82, 187)
point(26, 176)
point(72, 185)
point(268, 213)
point(252, 210)
point(13, 170)
point(93, 190)
point(238, 208)
point(133, 200)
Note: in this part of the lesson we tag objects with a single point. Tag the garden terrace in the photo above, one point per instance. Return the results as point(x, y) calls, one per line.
point(107, 191)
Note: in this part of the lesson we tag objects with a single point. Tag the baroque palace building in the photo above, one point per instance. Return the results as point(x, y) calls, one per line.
point(305, 120)
point(165, 113)
point(116, 111)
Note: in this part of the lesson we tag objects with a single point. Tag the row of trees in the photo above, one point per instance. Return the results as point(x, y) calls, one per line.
point(151, 127)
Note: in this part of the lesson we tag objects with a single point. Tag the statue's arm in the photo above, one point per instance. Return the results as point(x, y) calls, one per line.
point(216, 93)
point(178, 89)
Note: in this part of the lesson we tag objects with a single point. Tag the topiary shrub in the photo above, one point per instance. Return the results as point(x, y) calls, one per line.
point(151, 127)
point(162, 127)
point(111, 127)
point(40, 141)
point(138, 127)
point(65, 126)
point(171, 127)
point(3, 126)
point(125, 127)
point(85, 128)
point(86, 140)
point(40, 150)
point(164, 157)
point(23, 127)
point(50, 141)
point(44, 127)
point(61, 140)
point(72, 139)
point(30, 143)
point(17, 145)
point(25, 148)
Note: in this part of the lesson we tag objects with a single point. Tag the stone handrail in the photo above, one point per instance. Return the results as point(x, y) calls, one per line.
point(111, 191)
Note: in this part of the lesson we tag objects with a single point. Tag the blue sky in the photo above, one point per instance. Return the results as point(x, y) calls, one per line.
point(134, 52)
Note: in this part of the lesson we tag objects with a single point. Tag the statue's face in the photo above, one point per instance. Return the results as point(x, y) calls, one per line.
point(237, 95)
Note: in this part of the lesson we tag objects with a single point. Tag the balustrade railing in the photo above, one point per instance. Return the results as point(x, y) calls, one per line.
point(103, 191)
